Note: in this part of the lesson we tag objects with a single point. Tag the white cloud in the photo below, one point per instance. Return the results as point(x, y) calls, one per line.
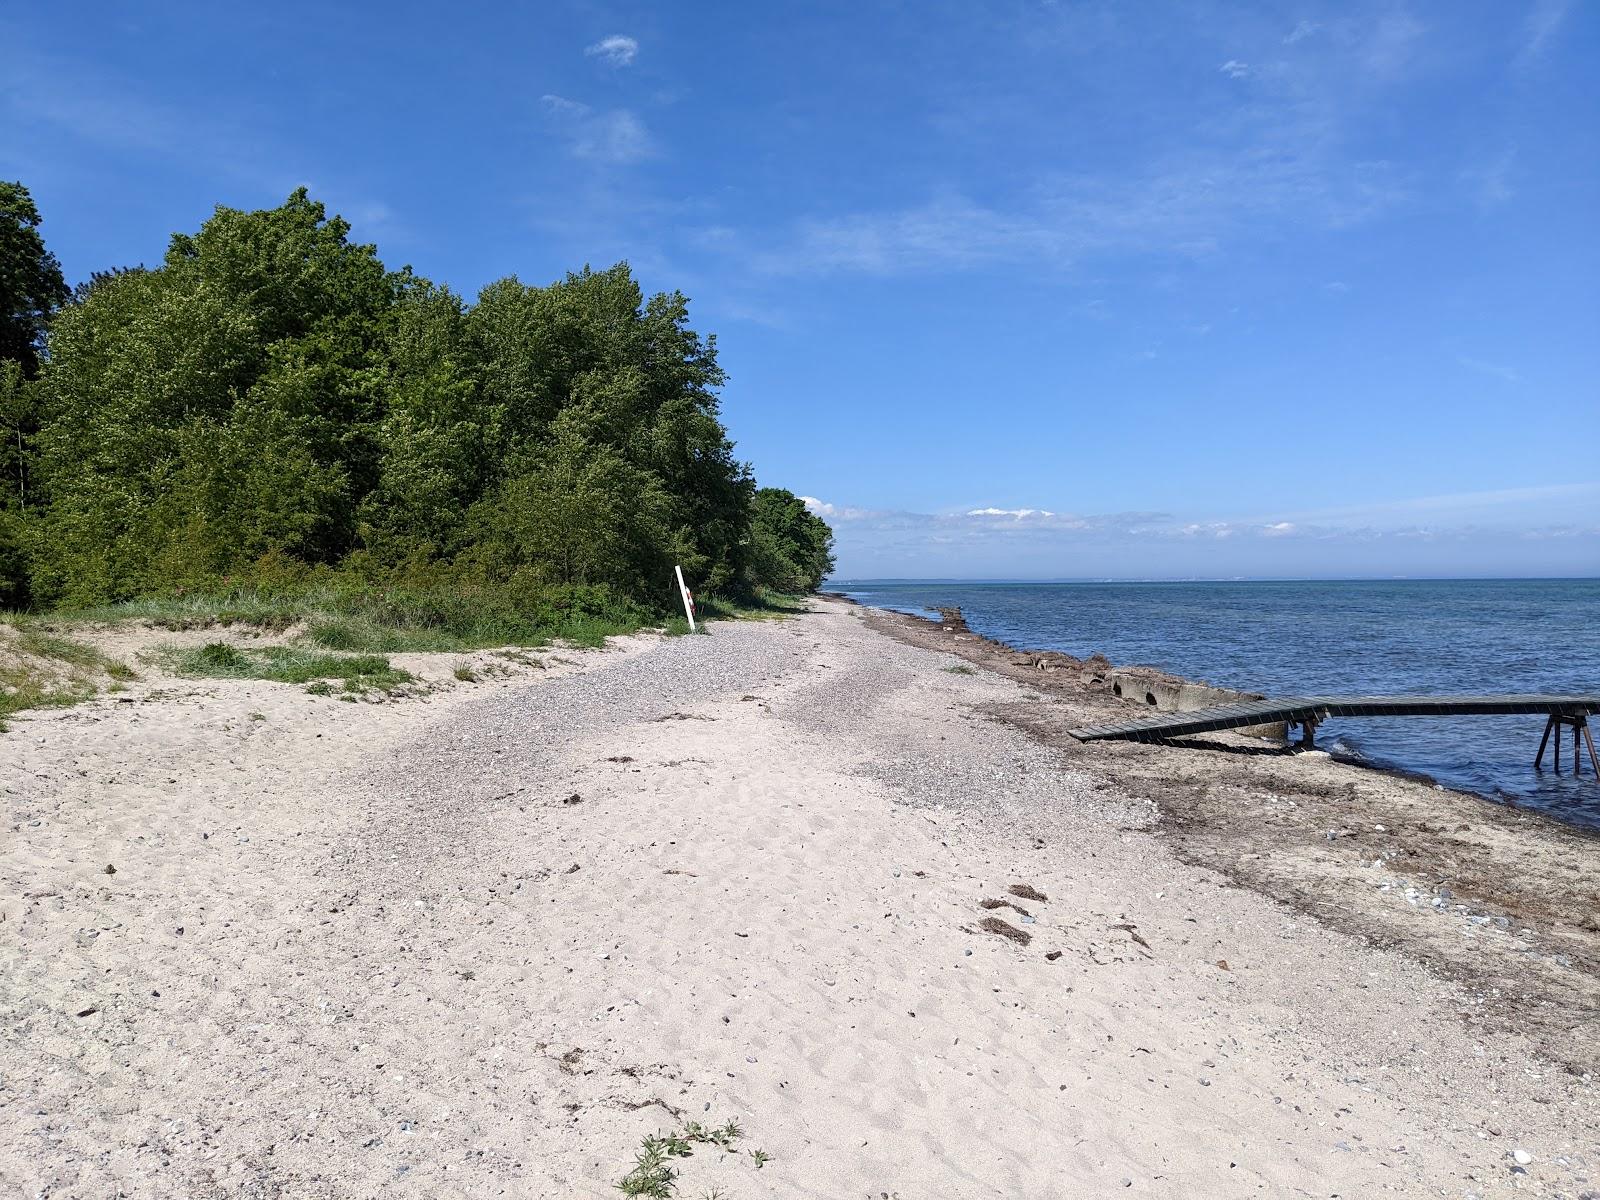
point(616, 137)
point(1383, 537)
point(1301, 32)
point(616, 50)
point(1234, 69)
point(833, 512)
point(1544, 20)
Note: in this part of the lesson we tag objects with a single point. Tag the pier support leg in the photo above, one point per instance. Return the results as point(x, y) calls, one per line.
point(1582, 740)
point(1308, 735)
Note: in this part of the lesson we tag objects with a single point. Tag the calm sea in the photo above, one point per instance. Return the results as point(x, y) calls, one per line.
point(1412, 636)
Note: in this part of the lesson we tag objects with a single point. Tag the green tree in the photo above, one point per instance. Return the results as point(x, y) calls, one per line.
point(270, 394)
point(792, 547)
point(220, 407)
point(31, 286)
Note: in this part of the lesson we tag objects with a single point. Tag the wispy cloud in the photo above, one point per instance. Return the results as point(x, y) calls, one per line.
point(1393, 43)
point(1506, 374)
point(1544, 21)
point(616, 50)
point(1234, 69)
point(617, 136)
point(1301, 32)
point(1188, 208)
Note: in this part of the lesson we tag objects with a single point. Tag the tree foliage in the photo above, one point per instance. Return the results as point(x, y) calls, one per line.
point(791, 545)
point(31, 286)
point(272, 394)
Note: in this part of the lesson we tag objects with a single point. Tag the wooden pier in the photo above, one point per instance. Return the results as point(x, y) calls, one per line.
point(1307, 712)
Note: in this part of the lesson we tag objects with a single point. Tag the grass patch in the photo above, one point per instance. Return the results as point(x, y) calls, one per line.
point(287, 664)
point(357, 617)
point(766, 606)
point(40, 644)
point(961, 669)
point(46, 670)
point(466, 674)
point(22, 687)
point(653, 1174)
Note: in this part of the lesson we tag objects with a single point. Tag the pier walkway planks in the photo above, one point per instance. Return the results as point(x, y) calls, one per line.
point(1309, 711)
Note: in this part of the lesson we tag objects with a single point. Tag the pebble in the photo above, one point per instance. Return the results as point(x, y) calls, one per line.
point(1522, 1156)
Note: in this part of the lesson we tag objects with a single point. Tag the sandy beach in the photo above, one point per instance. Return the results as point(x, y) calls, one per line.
point(840, 879)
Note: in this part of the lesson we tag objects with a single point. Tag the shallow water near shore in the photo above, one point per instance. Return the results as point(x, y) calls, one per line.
point(1354, 637)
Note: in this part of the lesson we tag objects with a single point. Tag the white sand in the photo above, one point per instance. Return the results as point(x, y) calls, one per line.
point(344, 954)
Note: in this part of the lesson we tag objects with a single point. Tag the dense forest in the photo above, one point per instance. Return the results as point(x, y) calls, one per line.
point(271, 407)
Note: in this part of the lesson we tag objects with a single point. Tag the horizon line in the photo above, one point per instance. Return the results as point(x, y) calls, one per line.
point(942, 579)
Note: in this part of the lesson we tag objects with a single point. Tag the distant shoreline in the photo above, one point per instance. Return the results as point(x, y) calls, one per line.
point(1360, 761)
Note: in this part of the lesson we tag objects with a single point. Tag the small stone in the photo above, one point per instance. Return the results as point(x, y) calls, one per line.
point(110, 869)
point(1522, 1156)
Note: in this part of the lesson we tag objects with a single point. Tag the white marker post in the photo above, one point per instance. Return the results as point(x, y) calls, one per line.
point(688, 598)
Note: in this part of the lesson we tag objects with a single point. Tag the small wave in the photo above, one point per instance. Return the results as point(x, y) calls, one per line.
point(1346, 748)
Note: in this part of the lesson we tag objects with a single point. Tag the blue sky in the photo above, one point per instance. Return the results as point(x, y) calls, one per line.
point(1011, 289)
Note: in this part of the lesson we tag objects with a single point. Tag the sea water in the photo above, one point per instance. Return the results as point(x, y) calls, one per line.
point(1423, 637)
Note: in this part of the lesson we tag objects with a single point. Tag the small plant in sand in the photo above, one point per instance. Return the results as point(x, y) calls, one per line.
point(961, 669)
point(653, 1174)
point(466, 674)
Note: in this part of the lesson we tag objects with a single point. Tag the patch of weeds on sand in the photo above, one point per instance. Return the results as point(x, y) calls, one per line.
point(653, 1174)
point(74, 654)
point(286, 664)
point(961, 669)
point(22, 686)
point(44, 670)
point(465, 673)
